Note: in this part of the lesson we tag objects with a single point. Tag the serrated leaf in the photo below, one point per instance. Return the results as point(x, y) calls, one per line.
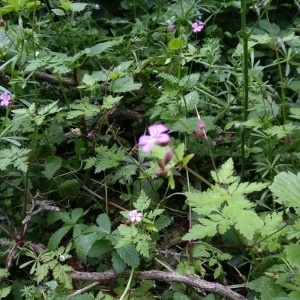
point(168, 77)
point(129, 255)
point(118, 263)
point(176, 43)
point(286, 188)
point(4, 291)
point(225, 173)
point(58, 236)
point(41, 272)
point(62, 274)
point(292, 254)
point(124, 84)
point(83, 244)
point(104, 223)
point(142, 202)
point(69, 187)
point(246, 188)
point(99, 248)
point(4, 273)
point(109, 102)
point(52, 164)
point(190, 81)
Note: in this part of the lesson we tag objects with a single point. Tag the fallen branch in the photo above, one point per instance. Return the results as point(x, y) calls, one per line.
point(190, 280)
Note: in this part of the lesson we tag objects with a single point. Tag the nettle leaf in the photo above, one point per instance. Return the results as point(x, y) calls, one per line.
point(189, 101)
point(100, 248)
point(225, 173)
point(170, 78)
point(52, 164)
point(124, 84)
point(129, 255)
point(286, 189)
point(185, 125)
point(69, 187)
point(176, 43)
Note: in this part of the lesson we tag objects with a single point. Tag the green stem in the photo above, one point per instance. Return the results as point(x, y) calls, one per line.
point(196, 175)
point(128, 285)
point(245, 37)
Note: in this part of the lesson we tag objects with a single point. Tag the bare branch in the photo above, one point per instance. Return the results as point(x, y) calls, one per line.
point(190, 280)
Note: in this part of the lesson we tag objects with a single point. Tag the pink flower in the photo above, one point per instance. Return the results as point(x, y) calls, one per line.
point(157, 135)
point(197, 26)
point(5, 97)
point(171, 27)
point(135, 216)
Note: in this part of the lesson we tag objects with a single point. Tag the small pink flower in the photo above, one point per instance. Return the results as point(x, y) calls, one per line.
point(135, 216)
point(197, 26)
point(6, 98)
point(171, 27)
point(201, 124)
point(157, 135)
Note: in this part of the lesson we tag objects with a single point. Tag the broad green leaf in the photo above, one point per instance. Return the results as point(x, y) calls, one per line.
point(190, 81)
point(292, 254)
point(124, 84)
point(176, 43)
point(76, 6)
point(57, 236)
point(83, 244)
point(99, 48)
point(99, 248)
point(286, 189)
point(118, 263)
point(52, 164)
point(129, 255)
point(58, 12)
point(76, 214)
point(104, 223)
point(69, 187)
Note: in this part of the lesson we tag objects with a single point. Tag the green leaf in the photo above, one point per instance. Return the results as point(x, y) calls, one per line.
point(41, 272)
point(266, 286)
point(292, 255)
point(109, 102)
point(142, 202)
point(118, 263)
point(176, 43)
point(58, 12)
point(101, 47)
point(4, 273)
point(76, 214)
point(104, 223)
point(76, 6)
point(62, 274)
point(4, 290)
point(52, 164)
point(190, 81)
point(99, 248)
point(125, 84)
point(84, 243)
point(82, 108)
point(57, 236)
point(69, 188)
point(18, 157)
point(129, 255)
point(225, 173)
point(286, 188)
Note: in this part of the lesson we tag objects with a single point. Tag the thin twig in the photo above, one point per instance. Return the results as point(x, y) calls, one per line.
point(80, 291)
